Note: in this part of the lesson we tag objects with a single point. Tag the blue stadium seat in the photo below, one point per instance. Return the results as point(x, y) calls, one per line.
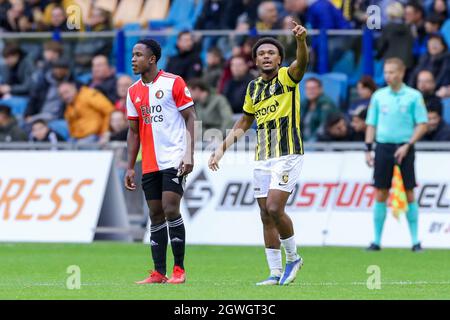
point(84, 78)
point(17, 105)
point(182, 15)
point(446, 111)
point(60, 127)
point(342, 79)
point(346, 64)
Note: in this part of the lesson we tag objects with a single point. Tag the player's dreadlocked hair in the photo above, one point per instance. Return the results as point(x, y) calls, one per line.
point(152, 45)
point(273, 41)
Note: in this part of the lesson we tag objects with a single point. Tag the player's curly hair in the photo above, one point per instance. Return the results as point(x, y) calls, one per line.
point(152, 45)
point(269, 40)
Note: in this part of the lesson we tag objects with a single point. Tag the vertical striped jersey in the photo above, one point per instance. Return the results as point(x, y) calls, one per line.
point(275, 104)
point(157, 106)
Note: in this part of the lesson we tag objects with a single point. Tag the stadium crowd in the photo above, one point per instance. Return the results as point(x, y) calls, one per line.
point(73, 92)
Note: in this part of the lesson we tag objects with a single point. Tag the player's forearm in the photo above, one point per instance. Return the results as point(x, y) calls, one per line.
point(238, 130)
point(302, 56)
point(190, 125)
point(370, 134)
point(419, 132)
point(133, 145)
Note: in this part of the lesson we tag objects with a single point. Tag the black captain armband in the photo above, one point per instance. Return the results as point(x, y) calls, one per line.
point(369, 147)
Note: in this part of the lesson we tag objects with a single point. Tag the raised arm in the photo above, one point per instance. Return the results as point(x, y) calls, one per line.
point(298, 68)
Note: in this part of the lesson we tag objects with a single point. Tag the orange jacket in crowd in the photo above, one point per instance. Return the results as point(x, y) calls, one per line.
point(88, 114)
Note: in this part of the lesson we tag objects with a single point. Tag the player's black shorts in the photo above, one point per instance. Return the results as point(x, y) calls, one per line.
point(155, 183)
point(384, 166)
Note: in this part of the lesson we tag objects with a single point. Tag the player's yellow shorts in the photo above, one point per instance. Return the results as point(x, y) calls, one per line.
point(277, 173)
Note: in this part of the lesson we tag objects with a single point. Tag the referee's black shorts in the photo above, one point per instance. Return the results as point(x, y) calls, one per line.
point(155, 183)
point(384, 166)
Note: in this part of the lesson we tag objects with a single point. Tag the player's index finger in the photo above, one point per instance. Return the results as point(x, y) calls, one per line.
point(294, 22)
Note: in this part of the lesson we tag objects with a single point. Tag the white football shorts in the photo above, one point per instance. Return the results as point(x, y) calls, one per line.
point(276, 173)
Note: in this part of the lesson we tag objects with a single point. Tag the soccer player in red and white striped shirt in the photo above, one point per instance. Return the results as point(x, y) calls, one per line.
point(161, 117)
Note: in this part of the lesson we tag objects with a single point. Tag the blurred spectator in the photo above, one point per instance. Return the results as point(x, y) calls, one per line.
point(87, 49)
point(214, 67)
point(212, 16)
point(240, 10)
point(268, 16)
point(365, 87)
point(396, 39)
point(87, 112)
point(440, 8)
point(34, 11)
point(58, 20)
point(438, 130)
point(236, 87)
point(123, 83)
point(15, 74)
point(9, 129)
point(427, 86)
point(53, 18)
point(336, 129)
point(103, 77)
point(315, 109)
point(245, 51)
point(358, 123)
point(40, 132)
point(296, 9)
point(118, 128)
point(15, 19)
point(5, 5)
point(213, 110)
point(187, 63)
point(51, 52)
point(415, 19)
point(45, 102)
point(437, 60)
point(322, 14)
point(433, 23)
point(100, 20)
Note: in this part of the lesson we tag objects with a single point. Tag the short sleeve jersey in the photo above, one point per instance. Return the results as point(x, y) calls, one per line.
point(275, 104)
point(395, 114)
point(162, 129)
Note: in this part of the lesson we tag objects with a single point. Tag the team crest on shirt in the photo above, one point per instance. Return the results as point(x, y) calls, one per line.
point(159, 94)
point(285, 177)
point(272, 89)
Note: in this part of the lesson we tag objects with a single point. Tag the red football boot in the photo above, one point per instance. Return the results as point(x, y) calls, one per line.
point(155, 277)
point(178, 276)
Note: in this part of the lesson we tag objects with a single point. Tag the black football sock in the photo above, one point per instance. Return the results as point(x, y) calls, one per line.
point(177, 240)
point(158, 244)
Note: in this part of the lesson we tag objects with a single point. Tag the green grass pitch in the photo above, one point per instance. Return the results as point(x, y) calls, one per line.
point(108, 271)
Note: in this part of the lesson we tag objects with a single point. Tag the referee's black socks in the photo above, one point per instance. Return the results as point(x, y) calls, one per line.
point(158, 243)
point(177, 240)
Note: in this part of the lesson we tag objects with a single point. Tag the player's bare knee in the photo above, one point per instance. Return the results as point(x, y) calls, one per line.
point(266, 218)
point(157, 217)
point(275, 212)
point(171, 212)
point(382, 195)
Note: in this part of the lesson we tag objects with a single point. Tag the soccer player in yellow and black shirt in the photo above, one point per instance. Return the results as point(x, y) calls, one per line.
point(272, 99)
